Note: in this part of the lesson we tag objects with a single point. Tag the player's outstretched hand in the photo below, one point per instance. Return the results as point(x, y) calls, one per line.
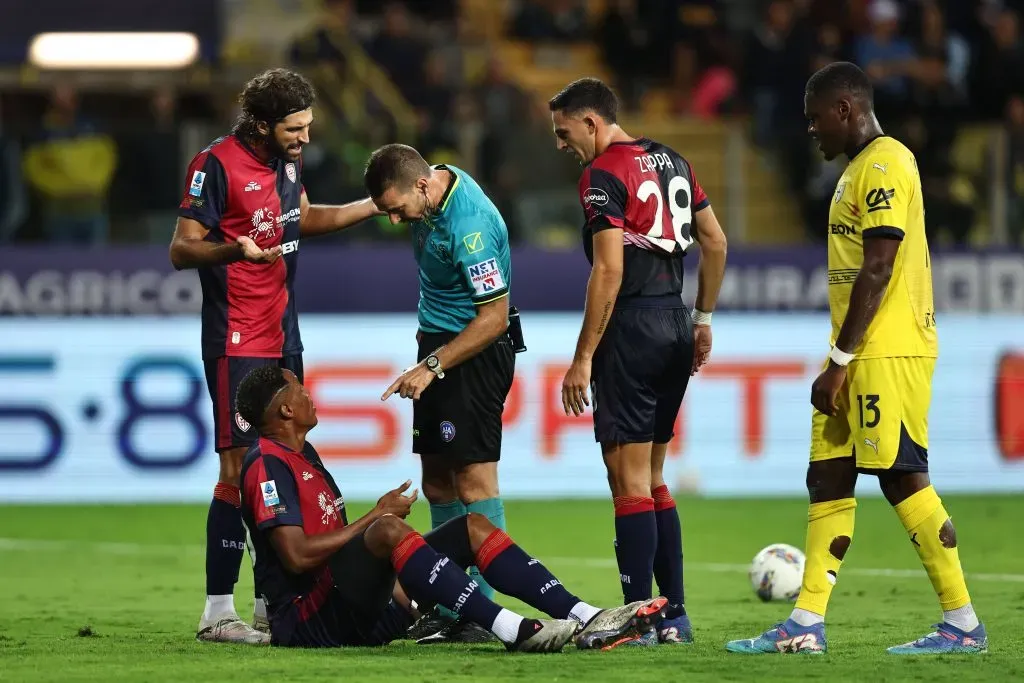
point(575, 387)
point(253, 254)
point(701, 347)
point(395, 503)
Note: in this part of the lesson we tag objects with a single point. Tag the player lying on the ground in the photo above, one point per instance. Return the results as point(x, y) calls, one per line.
point(329, 583)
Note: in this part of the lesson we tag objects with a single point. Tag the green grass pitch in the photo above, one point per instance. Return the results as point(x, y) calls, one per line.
point(114, 593)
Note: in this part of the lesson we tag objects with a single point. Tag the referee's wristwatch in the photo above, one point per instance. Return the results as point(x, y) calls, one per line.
point(434, 365)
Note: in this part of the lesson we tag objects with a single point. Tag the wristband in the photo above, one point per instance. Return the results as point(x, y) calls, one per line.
point(840, 357)
point(701, 317)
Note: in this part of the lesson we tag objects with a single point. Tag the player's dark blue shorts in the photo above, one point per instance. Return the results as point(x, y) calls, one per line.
point(358, 610)
point(223, 375)
point(641, 369)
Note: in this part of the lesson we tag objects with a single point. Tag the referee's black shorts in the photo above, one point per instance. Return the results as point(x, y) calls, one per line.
point(641, 369)
point(459, 416)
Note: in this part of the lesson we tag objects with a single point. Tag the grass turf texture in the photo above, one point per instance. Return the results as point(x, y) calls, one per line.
point(115, 593)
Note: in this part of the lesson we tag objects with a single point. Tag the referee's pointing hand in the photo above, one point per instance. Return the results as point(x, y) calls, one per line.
point(411, 383)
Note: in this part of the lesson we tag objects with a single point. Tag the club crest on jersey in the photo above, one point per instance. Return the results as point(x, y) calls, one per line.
point(262, 224)
point(242, 424)
point(595, 197)
point(839, 192)
point(330, 512)
point(289, 170)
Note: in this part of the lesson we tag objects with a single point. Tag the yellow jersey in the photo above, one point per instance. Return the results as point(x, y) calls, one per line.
point(879, 193)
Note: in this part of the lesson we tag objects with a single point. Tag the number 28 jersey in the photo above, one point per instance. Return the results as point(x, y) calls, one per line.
point(649, 192)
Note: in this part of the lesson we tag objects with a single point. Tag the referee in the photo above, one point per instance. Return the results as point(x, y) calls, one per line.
point(466, 357)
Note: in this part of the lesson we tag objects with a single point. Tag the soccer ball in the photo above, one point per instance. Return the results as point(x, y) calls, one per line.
point(776, 572)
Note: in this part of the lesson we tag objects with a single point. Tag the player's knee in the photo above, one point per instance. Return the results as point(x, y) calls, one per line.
point(897, 485)
point(385, 534)
point(831, 479)
point(438, 490)
point(477, 481)
point(479, 528)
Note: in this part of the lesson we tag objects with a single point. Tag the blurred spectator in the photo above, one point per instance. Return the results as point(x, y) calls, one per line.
point(433, 98)
point(827, 46)
point(887, 57)
point(627, 40)
point(950, 212)
point(69, 168)
point(1014, 180)
point(13, 203)
point(550, 20)
point(776, 68)
point(398, 49)
point(320, 45)
point(999, 73)
point(149, 177)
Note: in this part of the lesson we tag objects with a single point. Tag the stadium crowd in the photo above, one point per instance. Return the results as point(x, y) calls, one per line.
point(77, 168)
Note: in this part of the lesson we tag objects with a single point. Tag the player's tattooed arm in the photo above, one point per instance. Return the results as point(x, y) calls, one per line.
point(868, 290)
point(321, 219)
point(602, 290)
point(189, 248)
point(711, 268)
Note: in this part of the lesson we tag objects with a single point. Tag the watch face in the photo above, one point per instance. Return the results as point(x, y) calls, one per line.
point(432, 361)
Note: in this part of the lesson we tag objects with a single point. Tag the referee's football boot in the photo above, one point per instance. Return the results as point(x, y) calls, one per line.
point(461, 630)
point(428, 624)
point(620, 625)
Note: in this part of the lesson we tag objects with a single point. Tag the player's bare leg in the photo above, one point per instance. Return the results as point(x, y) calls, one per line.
point(830, 487)
point(668, 558)
point(225, 545)
point(933, 536)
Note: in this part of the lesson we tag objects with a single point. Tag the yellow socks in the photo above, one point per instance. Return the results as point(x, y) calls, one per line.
point(934, 538)
point(829, 534)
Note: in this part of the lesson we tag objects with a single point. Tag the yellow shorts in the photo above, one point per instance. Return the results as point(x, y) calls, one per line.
point(883, 415)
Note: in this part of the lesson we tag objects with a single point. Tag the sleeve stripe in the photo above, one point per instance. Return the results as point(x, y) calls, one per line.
point(481, 302)
point(704, 203)
point(887, 231)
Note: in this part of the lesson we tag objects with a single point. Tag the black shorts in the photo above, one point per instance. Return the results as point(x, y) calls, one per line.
point(223, 375)
point(460, 416)
point(640, 372)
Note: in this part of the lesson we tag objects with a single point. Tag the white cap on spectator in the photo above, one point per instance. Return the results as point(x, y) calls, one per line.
point(884, 10)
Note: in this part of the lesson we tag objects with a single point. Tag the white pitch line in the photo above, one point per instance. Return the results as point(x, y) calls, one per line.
point(112, 548)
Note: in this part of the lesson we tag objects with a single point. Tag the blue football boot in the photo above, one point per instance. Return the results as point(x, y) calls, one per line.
point(785, 638)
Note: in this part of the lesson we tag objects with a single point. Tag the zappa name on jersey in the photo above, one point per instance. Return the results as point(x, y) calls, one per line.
point(652, 163)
